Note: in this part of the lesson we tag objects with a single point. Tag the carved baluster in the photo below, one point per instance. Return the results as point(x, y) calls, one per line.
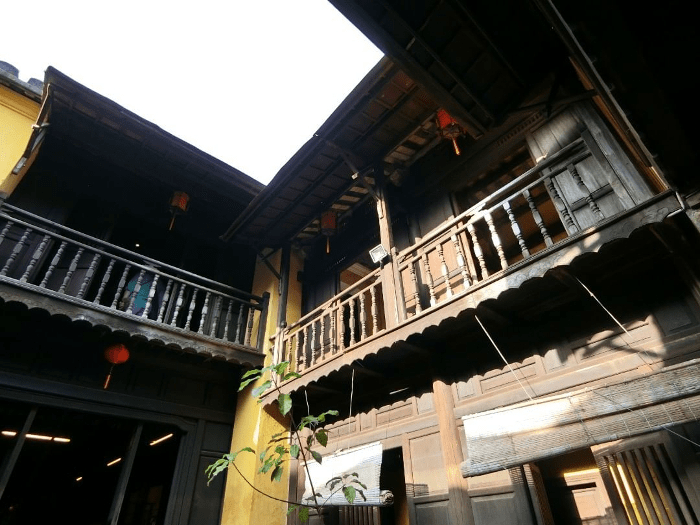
point(105, 279)
point(586, 192)
point(54, 262)
point(516, 230)
point(216, 316)
point(414, 279)
point(496, 240)
point(297, 350)
point(35, 258)
point(312, 344)
point(164, 304)
point(239, 324)
point(445, 270)
point(375, 319)
point(429, 278)
point(120, 286)
point(461, 262)
point(249, 330)
point(4, 231)
point(341, 312)
point(351, 304)
point(135, 292)
point(477, 250)
point(151, 295)
point(178, 305)
point(71, 270)
point(205, 311)
point(561, 207)
point(228, 319)
point(15, 252)
point(363, 316)
point(333, 334)
point(88, 275)
point(322, 337)
point(538, 218)
point(190, 311)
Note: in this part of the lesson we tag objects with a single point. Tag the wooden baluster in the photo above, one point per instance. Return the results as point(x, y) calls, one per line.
point(445, 270)
point(151, 295)
point(363, 317)
point(414, 279)
point(88, 275)
point(249, 330)
point(334, 332)
point(374, 311)
point(164, 304)
point(216, 316)
point(239, 323)
point(135, 292)
point(477, 250)
point(561, 206)
point(4, 231)
point(586, 192)
point(496, 240)
point(15, 252)
point(461, 262)
point(190, 311)
point(429, 278)
point(351, 304)
point(228, 319)
point(538, 218)
point(205, 311)
point(312, 345)
point(105, 279)
point(516, 229)
point(54, 262)
point(178, 305)
point(35, 258)
point(71, 270)
point(341, 313)
point(297, 350)
point(322, 337)
point(120, 286)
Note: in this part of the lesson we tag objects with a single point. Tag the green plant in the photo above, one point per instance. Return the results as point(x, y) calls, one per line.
point(280, 448)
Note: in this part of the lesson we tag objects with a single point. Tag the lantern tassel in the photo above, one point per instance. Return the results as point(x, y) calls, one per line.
point(454, 143)
point(328, 245)
point(109, 376)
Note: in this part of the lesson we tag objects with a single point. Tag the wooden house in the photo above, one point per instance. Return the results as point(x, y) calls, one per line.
point(499, 281)
point(124, 320)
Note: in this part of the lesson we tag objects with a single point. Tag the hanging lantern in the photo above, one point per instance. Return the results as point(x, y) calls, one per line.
point(179, 203)
point(329, 226)
point(449, 128)
point(115, 354)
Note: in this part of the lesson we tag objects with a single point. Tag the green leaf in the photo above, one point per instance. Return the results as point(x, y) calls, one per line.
point(285, 403)
point(249, 373)
point(269, 463)
point(246, 383)
point(304, 514)
point(291, 509)
point(290, 375)
point(316, 456)
point(362, 494)
point(258, 391)
point(294, 451)
point(263, 454)
point(279, 449)
point(277, 473)
point(322, 417)
point(322, 437)
point(349, 493)
point(281, 367)
point(310, 440)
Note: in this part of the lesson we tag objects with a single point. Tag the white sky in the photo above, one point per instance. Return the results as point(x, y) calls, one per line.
point(246, 81)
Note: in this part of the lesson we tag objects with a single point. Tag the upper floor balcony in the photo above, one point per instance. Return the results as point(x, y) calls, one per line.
point(567, 205)
point(64, 272)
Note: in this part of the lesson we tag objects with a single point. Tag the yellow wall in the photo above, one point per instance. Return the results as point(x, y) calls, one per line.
point(17, 114)
point(254, 426)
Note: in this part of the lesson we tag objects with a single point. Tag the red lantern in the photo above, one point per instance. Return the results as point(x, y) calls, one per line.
point(116, 354)
point(329, 225)
point(179, 203)
point(449, 128)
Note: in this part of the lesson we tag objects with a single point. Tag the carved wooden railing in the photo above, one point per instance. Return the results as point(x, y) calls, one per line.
point(339, 324)
point(42, 256)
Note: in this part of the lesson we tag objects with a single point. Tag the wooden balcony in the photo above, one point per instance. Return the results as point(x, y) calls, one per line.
point(64, 272)
point(547, 217)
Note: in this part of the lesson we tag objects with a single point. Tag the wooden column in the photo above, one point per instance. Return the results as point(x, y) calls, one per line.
point(460, 510)
point(386, 238)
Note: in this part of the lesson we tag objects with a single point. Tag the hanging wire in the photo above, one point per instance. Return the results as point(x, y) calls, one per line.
point(503, 357)
point(352, 390)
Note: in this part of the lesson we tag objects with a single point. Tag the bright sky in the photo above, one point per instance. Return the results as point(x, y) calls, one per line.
point(246, 81)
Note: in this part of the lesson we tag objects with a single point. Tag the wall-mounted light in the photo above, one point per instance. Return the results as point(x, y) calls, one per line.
point(378, 253)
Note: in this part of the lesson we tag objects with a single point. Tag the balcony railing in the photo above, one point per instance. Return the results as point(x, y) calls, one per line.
point(44, 257)
point(530, 216)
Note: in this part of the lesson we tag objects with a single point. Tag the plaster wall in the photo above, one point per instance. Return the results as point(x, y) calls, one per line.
point(17, 114)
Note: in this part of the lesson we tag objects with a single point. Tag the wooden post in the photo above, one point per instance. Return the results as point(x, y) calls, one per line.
point(386, 237)
point(459, 507)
